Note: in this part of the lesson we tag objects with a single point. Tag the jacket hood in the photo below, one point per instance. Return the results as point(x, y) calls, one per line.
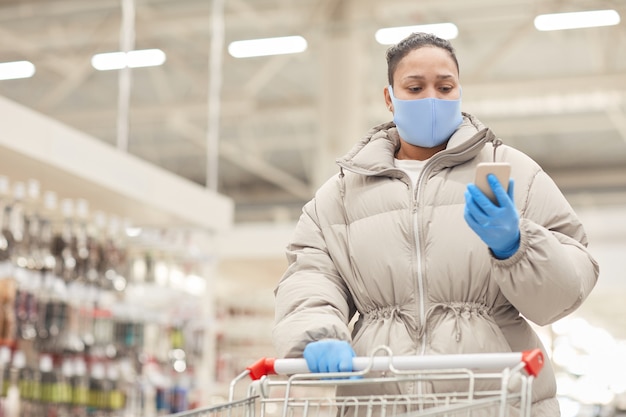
point(375, 152)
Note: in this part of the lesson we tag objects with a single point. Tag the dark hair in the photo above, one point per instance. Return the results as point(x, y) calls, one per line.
point(415, 40)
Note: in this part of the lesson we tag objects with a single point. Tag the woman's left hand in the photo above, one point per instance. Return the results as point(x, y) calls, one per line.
point(496, 224)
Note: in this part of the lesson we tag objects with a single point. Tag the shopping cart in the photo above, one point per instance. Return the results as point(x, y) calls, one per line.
point(498, 384)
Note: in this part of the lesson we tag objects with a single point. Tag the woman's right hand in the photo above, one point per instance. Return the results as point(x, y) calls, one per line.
point(329, 356)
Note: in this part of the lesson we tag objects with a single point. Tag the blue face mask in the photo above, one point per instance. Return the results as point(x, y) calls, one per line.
point(426, 122)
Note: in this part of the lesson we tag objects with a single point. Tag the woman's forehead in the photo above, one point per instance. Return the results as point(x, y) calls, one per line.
point(429, 60)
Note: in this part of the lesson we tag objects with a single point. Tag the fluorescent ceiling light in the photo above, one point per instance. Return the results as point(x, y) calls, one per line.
point(576, 20)
point(267, 46)
point(390, 36)
point(15, 70)
point(131, 59)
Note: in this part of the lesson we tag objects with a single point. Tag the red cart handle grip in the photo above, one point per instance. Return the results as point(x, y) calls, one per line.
point(533, 360)
point(261, 368)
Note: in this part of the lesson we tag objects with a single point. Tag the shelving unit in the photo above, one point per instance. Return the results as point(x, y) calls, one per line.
point(177, 216)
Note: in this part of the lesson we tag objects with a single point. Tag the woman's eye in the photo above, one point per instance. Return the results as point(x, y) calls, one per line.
point(445, 89)
point(415, 89)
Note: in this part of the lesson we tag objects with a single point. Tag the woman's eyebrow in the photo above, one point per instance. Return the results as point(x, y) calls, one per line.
point(421, 77)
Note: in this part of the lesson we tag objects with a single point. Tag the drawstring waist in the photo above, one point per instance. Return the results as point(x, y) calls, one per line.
point(459, 310)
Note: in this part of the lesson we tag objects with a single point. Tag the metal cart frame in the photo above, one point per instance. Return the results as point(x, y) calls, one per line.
point(498, 384)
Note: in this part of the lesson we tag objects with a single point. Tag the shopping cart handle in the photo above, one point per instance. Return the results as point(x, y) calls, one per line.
point(532, 360)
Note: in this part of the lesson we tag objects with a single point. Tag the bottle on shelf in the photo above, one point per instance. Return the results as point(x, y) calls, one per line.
point(116, 398)
point(6, 237)
point(49, 384)
point(28, 391)
point(180, 393)
point(32, 224)
point(17, 226)
point(96, 386)
point(94, 236)
point(12, 401)
point(66, 242)
point(64, 370)
point(8, 321)
point(49, 215)
point(79, 385)
point(5, 373)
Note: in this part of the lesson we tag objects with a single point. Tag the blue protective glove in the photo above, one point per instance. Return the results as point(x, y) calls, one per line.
point(329, 356)
point(496, 224)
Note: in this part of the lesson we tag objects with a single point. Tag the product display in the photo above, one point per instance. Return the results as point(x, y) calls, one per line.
point(72, 339)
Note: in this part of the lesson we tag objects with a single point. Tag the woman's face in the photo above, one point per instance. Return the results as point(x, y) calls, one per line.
point(427, 72)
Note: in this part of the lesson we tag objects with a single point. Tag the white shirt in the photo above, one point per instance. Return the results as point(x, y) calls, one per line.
point(411, 166)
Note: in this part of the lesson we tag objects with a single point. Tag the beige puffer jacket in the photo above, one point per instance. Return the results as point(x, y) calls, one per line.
point(421, 280)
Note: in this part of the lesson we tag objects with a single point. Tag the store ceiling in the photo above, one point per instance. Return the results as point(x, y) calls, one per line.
point(559, 96)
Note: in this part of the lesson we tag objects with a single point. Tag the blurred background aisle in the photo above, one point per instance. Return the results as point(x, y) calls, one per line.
point(200, 160)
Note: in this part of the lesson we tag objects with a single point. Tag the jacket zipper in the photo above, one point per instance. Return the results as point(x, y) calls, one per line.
point(417, 234)
point(420, 275)
point(418, 253)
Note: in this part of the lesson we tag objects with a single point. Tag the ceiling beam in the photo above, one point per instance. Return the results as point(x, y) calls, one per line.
point(250, 162)
point(503, 46)
point(77, 70)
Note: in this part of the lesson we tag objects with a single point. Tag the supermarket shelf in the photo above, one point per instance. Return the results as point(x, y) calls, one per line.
point(76, 165)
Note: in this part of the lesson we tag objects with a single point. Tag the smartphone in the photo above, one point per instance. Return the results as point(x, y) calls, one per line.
point(502, 170)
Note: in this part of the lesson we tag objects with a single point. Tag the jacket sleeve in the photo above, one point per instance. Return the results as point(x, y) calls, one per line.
point(552, 273)
point(312, 301)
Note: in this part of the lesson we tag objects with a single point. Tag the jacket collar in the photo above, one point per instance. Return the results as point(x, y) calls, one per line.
point(374, 154)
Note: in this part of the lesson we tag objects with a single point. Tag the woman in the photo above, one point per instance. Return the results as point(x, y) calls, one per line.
point(403, 237)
